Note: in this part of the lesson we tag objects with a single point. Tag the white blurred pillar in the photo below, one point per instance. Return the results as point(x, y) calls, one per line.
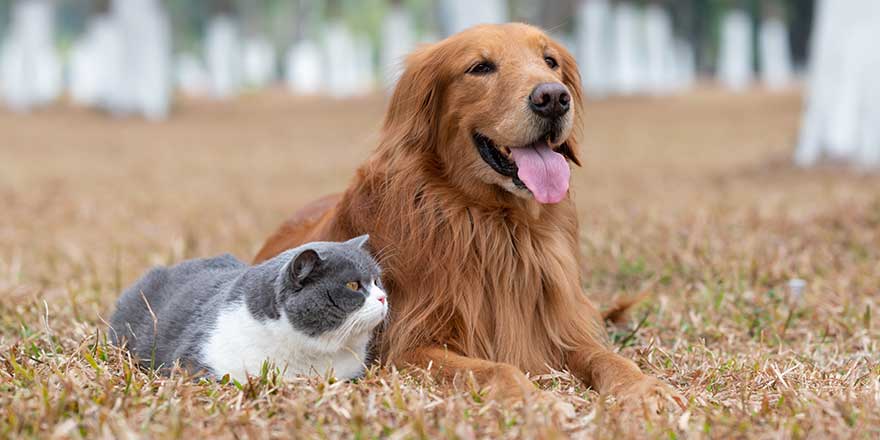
point(304, 68)
point(776, 71)
point(30, 70)
point(594, 46)
point(259, 62)
point(685, 65)
point(398, 39)
point(842, 117)
point(96, 63)
point(458, 15)
point(191, 76)
point(365, 69)
point(146, 61)
point(349, 69)
point(123, 61)
point(223, 53)
point(735, 60)
point(660, 74)
point(628, 75)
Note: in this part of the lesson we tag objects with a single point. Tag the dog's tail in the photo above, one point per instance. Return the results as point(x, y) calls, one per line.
point(618, 313)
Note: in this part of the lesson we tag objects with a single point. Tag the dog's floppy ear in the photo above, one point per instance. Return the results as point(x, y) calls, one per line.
point(572, 79)
point(413, 113)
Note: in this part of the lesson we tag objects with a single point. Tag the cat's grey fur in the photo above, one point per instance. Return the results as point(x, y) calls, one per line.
point(172, 313)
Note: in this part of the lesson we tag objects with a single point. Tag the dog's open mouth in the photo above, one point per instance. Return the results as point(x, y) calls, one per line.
point(536, 166)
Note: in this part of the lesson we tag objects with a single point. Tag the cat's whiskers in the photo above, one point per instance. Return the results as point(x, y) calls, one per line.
point(340, 336)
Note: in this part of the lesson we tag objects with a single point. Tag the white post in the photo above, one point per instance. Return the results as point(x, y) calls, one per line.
point(776, 71)
point(398, 39)
point(349, 70)
point(660, 51)
point(259, 62)
point(123, 61)
point(594, 46)
point(146, 60)
point(30, 71)
point(223, 53)
point(459, 15)
point(629, 67)
point(96, 63)
point(191, 76)
point(735, 60)
point(365, 69)
point(685, 67)
point(304, 68)
point(842, 117)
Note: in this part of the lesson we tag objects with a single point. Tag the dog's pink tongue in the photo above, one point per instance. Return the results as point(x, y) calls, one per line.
point(544, 171)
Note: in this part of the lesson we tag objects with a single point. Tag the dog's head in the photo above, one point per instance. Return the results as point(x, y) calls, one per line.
point(495, 105)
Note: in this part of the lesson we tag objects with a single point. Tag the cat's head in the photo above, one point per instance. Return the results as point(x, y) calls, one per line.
point(332, 290)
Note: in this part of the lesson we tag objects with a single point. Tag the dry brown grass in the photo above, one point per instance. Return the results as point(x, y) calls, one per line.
point(690, 198)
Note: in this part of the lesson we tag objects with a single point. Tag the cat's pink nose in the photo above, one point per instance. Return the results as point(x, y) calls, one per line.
point(381, 299)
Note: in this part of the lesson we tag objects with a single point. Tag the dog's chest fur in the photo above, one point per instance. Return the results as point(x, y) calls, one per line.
point(500, 278)
point(527, 276)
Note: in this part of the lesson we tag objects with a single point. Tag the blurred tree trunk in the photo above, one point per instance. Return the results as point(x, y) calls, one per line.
point(398, 39)
point(30, 68)
point(259, 58)
point(553, 16)
point(735, 58)
point(223, 52)
point(458, 15)
point(842, 118)
point(303, 62)
point(774, 47)
point(595, 48)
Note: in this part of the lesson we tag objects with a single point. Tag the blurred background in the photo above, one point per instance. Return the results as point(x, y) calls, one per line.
point(140, 57)
point(223, 47)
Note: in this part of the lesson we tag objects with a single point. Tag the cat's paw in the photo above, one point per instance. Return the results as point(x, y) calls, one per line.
point(649, 395)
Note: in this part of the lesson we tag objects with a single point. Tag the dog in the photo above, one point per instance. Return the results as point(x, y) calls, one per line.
point(467, 206)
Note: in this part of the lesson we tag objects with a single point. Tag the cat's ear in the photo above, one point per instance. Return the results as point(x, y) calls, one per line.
point(301, 266)
point(359, 241)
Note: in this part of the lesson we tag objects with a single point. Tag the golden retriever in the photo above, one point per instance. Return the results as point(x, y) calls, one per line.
point(466, 201)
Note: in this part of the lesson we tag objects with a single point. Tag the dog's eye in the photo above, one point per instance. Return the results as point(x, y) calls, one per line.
point(551, 62)
point(353, 285)
point(481, 68)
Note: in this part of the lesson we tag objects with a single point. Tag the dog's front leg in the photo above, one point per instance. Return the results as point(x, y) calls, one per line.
point(610, 373)
point(505, 382)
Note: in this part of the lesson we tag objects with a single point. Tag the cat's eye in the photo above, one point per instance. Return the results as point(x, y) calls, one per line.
point(353, 285)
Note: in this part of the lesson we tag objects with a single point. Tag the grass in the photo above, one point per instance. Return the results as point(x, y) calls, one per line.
point(688, 198)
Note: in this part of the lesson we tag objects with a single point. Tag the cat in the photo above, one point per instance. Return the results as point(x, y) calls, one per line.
point(308, 310)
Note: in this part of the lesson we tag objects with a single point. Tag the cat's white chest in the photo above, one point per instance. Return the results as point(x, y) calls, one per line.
point(239, 344)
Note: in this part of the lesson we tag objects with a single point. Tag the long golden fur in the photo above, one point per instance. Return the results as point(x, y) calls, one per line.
point(481, 277)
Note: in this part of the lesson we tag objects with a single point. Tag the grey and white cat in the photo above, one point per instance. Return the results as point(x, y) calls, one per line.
point(308, 310)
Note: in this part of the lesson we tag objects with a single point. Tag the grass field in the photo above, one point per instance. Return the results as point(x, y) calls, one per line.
point(689, 198)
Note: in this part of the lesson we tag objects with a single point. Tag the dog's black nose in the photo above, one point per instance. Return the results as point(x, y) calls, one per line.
point(550, 100)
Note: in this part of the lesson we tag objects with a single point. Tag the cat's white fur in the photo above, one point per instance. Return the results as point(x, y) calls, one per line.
point(239, 343)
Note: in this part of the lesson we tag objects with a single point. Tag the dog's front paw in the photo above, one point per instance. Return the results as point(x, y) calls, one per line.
point(649, 395)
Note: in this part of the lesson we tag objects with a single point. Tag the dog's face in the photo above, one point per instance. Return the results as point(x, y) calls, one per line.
point(497, 105)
